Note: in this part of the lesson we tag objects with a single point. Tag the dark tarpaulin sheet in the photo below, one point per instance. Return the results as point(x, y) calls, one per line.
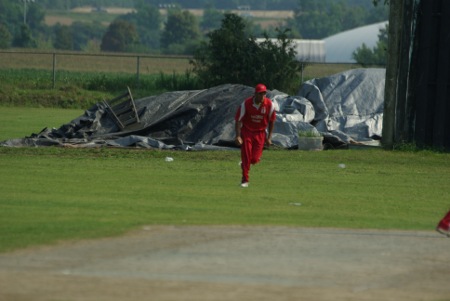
point(345, 108)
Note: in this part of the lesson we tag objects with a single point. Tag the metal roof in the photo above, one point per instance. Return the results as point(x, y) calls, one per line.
point(339, 47)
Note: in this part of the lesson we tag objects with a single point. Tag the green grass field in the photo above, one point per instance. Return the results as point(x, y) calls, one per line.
point(19, 122)
point(53, 194)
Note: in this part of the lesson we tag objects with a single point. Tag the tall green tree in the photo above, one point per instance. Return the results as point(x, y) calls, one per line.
point(147, 20)
point(376, 2)
point(35, 16)
point(5, 37)
point(231, 55)
point(317, 19)
point(85, 32)
point(278, 62)
point(63, 37)
point(119, 37)
point(320, 19)
point(181, 29)
point(228, 55)
point(12, 16)
point(377, 56)
point(24, 38)
point(211, 20)
point(10, 13)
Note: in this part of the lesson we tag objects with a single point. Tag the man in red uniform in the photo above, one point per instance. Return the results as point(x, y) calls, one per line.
point(253, 117)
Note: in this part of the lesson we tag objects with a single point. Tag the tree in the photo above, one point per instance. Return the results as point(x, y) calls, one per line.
point(181, 28)
point(373, 57)
point(24, 38)
point(377, 14)
point(320, 19)
point(212, 19)
point(119, 37)
point(231, 55)
point(10, 14)
point(85, 33)
point(5, 37)
point(278, 62)
point(35, 16)
point(63, 37)
point(227, 56)
point(376, 2)
point(147, 21)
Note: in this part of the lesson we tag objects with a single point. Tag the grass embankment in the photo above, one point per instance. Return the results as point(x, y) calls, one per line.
point(33, 88)
point(53, 194)
point(82, 80)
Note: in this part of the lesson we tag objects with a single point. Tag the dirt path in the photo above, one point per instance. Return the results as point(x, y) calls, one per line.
point(234, 263)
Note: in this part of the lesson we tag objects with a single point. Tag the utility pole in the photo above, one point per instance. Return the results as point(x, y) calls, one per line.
point(25, 10)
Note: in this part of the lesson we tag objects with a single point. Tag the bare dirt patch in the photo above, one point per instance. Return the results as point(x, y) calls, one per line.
point(265, 18)
point(52, 20)
point(234, 263)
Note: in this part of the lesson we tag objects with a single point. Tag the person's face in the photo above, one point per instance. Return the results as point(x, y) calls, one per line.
point(260, 96)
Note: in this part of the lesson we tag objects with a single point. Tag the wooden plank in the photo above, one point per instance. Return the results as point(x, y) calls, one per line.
point(123, 110)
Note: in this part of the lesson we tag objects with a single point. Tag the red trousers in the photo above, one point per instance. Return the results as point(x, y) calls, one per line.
point(251, 150)
point(444, 223)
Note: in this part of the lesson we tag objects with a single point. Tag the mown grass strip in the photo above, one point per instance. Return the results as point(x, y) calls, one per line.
point(34, 88)
point(53, 194)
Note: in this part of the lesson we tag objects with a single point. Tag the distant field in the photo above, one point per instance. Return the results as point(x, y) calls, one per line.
point(279, 14)
point(86, 14)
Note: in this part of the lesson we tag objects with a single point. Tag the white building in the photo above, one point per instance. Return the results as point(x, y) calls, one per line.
point(339, 47)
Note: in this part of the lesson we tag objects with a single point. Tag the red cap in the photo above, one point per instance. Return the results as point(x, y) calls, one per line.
point(260, 88)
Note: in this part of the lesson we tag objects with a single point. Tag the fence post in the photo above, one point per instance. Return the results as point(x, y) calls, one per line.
point(54, 70)
point(137, 70)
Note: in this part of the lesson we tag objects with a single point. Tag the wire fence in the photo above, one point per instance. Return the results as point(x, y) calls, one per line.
point(136, 64)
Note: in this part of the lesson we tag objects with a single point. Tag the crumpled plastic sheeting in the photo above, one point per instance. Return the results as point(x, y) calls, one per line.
point(348, 105)
point(189, 120)
point(204, 119)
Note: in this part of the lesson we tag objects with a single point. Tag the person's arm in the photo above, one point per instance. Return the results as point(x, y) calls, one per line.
point(269, 135)
point(238, 138)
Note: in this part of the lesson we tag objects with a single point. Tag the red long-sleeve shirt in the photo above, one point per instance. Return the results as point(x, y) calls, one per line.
point(256, 117)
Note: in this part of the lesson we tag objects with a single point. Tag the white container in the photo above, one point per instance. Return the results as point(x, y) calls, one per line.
point(310, 143)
